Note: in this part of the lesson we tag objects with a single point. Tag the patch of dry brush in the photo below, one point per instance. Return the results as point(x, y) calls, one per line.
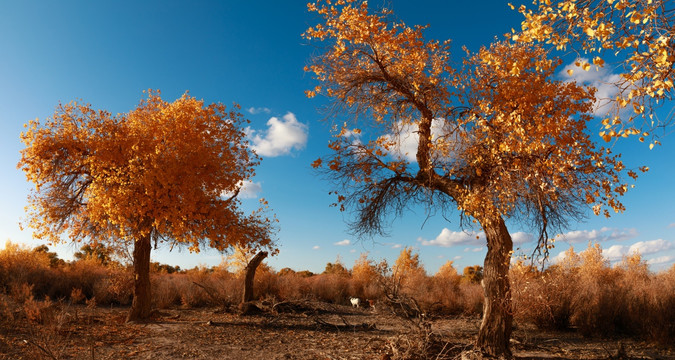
point(582, 292)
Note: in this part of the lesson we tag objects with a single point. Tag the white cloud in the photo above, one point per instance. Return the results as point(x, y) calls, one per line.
point(650, 247)
point(258, 110)
point(616, 252)
point(661, 260)
point(449, 238)
point(600, 78)
point(247, 190)
point(281, 137)
point(458, 257)
point(397, 246)
point(316, 247)
point(671, 225)
point(344, 242)
point(250, 189)
point(604, 234)
point(352, 251)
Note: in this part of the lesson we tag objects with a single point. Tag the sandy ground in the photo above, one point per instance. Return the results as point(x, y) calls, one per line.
point(303, 331)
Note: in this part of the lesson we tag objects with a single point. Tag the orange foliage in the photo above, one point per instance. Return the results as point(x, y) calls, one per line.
point(500, 137)
point(638, 33)
point(163, 170)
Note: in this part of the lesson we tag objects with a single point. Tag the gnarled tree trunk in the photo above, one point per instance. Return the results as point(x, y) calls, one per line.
point(141, 305)
point(495, 330)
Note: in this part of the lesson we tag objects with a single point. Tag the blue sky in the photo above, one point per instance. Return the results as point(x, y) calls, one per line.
point(251, 52)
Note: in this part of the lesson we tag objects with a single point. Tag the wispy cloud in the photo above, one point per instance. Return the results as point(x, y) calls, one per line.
point(522, 237)
point(344, 242)
point(672, 225)
point(396, 246)
point(316, 247)
point(258, 110)
point(604, 234)
point(281, 137)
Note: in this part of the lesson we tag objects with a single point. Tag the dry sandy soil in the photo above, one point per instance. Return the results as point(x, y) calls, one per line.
point(302, 331)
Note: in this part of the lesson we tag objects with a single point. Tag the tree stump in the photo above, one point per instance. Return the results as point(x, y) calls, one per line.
point(246, 307)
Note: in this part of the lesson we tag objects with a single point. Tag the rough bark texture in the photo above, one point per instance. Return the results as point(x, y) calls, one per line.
point(141, 305)
point(495, 330)
point(250, 275)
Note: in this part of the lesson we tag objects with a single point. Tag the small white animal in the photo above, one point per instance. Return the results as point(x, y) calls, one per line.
point(355, 302)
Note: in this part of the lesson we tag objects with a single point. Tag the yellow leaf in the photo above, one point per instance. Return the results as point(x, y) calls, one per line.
point(570, 72)
point(586, 66)
point(599, 61)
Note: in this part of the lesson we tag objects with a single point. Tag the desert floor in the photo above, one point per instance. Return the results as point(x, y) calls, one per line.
point(306, 330)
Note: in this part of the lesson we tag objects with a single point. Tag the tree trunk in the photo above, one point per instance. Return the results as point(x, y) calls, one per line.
point(495, 330)
point(141, 305)
point(250, 275)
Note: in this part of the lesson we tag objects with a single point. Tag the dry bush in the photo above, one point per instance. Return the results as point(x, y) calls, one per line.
point(20, 265)
point(661, 318)
point(86, 274)
point(193, 295)
point(265, 282)
point(332, 288)
point(420, 345)
point(444, 288)
point(7, 309)
point(114, 287)
point(472, 298)
point(543, 298)
point(77, 296)
point(165, 291)
point(293, 286)
point(584, 291)
point(599, 300)
point(364, 277)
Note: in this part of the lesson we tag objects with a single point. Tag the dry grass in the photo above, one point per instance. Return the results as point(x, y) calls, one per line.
point(583, 292)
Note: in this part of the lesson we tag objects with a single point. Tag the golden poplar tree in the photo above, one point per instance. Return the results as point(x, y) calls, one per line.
point(634, 38)
point(495, 139)
point(166, 172)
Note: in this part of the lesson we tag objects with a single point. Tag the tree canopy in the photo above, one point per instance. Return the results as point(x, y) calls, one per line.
point(168, 170)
